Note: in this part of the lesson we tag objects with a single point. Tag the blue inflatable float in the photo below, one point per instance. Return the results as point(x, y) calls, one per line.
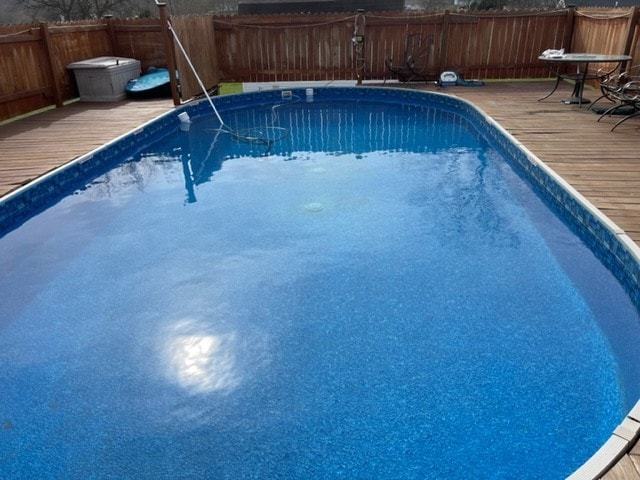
point(155, 83)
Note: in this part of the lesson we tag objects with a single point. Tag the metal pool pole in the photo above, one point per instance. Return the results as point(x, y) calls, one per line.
point(193, 69)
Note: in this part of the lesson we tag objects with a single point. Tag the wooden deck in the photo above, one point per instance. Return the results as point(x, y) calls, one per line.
point(604, 166)
point(34, 145)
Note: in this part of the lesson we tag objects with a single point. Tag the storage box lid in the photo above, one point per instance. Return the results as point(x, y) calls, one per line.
point(102, 62)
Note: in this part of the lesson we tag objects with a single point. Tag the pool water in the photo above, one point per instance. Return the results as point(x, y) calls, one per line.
point(375, 294)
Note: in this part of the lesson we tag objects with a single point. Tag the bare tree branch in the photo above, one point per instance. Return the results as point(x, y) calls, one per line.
point(76, 9)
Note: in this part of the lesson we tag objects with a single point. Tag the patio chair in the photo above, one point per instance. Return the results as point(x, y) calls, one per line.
point(625, 97)
point(399, 70)
point(415, 61)
point(612, 84)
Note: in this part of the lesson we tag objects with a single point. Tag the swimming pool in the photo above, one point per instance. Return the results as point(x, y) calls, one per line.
point(381, 296)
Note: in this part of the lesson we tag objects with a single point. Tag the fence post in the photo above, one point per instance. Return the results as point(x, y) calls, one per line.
point(46, 43)
point(631, 30)
point(111, 30)
point(169, 52)
point(358, 44)
point(568, 31)
point(446, 18)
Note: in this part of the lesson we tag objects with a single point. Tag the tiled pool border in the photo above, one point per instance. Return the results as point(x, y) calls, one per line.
point(608, 241)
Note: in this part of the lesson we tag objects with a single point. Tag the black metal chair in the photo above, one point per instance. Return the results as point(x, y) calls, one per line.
point(611, 84)
point(399, 70)
point(626, 97)
point(415, 60)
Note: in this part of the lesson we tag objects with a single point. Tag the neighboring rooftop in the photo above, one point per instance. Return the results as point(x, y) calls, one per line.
point(317, 6)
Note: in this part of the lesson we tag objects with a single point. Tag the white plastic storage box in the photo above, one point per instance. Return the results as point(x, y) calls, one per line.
point(102, 79)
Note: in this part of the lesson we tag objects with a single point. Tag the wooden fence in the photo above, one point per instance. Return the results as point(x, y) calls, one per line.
point(34, 59)
point(321, 48)
point(489, 45)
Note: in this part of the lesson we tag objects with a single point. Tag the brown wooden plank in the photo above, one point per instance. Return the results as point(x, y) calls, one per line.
point(623, 470)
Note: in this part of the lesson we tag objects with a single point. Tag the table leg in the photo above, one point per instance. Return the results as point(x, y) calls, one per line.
point(576, 97)
point(578, 89)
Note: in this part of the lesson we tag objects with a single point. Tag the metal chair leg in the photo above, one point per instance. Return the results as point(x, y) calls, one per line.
point(622, 120)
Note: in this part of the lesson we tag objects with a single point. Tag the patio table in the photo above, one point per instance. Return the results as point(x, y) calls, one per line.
point(557, 63)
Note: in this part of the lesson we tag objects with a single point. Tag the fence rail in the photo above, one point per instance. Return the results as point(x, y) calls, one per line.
point(489, 45)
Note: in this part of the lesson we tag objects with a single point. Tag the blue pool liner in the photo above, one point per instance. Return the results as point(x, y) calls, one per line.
point(608, 242)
